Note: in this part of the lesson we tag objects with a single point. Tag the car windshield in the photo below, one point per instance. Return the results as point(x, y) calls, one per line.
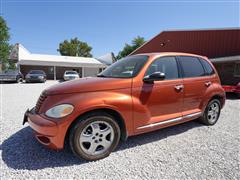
point(70, 72)
point(36, 72)
point(125, 68)
point(11, 72)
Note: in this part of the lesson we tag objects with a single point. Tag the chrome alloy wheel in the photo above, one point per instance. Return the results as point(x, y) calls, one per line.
point(213, 112)
point(96, 137)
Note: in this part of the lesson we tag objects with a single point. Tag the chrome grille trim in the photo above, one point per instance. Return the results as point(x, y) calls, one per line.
point(40, 101)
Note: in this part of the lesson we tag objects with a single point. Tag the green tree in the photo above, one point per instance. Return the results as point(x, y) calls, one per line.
point(75, 47)
point(128, 48)
point(4, 45)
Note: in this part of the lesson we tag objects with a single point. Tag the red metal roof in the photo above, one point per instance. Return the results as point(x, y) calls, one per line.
point(210, 43)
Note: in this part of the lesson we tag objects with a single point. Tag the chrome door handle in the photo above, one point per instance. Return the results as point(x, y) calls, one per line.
point(179, 87)
point(208, 83)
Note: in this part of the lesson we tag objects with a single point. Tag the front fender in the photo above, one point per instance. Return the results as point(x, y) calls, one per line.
point(116, 100)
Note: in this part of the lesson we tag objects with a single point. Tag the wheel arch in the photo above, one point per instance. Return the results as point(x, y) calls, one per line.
point(117, 116)
point(220, 98)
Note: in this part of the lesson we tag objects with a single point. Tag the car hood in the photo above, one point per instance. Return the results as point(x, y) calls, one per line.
point(70, 74)
point(89, 85)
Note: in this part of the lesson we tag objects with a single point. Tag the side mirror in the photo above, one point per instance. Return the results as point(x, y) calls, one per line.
point(156, 76)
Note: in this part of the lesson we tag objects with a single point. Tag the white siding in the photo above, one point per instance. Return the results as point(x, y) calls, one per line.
point(90, 72)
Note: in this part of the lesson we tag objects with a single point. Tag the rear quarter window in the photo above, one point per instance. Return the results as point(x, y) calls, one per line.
point(191, 66)
point(208, 68)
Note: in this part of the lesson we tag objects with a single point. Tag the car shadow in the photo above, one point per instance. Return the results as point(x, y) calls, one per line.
point(22, 151)
point(232, 96)
point(8, 82)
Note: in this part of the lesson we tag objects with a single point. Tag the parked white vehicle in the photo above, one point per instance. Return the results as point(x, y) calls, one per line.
point(69, 75)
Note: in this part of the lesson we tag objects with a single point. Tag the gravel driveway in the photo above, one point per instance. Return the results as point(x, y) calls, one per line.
point(189, 150)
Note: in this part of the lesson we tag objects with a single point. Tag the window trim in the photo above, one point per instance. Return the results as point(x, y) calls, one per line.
point(178, 68)
point(182, 71)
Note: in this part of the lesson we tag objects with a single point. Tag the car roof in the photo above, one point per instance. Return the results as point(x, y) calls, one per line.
point(154, 54)
point(70, 71)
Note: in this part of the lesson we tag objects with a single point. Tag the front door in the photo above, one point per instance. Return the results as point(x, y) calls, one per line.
point(161, 100)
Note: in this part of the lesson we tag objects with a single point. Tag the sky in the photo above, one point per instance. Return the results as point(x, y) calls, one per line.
point(106, 25)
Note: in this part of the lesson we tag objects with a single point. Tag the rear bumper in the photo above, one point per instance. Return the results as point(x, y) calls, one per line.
point(46, 131)
point(67, 78)
point(234, 89)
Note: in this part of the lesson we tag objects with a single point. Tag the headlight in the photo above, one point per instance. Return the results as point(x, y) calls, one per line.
point(60, 111)
point(41, 77)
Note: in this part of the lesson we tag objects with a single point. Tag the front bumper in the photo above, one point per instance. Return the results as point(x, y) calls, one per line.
point(67, 78)
point(8, 79)
point(34, 79)
point(46, 131)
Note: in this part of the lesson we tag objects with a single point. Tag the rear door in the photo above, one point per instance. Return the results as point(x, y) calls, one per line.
point(194, 81)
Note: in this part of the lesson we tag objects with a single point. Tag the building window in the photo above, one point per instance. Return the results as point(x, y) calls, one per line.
point(237, 70)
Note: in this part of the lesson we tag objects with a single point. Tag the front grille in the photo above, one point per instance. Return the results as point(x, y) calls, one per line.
point(40, 101)
point(33, 77)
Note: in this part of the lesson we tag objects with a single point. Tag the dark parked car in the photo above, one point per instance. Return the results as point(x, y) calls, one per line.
point(36, 76)
point(11, 76)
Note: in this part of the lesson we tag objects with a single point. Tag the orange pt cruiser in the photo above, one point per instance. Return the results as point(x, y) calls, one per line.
point(137, 94)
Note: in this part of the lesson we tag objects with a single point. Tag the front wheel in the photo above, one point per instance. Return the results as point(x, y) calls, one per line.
point(19, 80)
point(94, 136)
point(211, 113)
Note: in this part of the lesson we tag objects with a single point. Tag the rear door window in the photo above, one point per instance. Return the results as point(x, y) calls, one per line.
point(191, 66)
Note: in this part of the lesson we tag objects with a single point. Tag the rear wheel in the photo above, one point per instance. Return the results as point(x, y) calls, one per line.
point(211, 113)
point(94, 136)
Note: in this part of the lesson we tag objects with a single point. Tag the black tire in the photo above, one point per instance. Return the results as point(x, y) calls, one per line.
point(206, 118)
point(80, 127)
point(238, 95)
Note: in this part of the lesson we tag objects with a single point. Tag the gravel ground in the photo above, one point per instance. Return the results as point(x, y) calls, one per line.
point(189, 150)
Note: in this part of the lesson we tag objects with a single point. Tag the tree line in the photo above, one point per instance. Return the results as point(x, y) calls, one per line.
point(72, 47)
point(75, 47)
